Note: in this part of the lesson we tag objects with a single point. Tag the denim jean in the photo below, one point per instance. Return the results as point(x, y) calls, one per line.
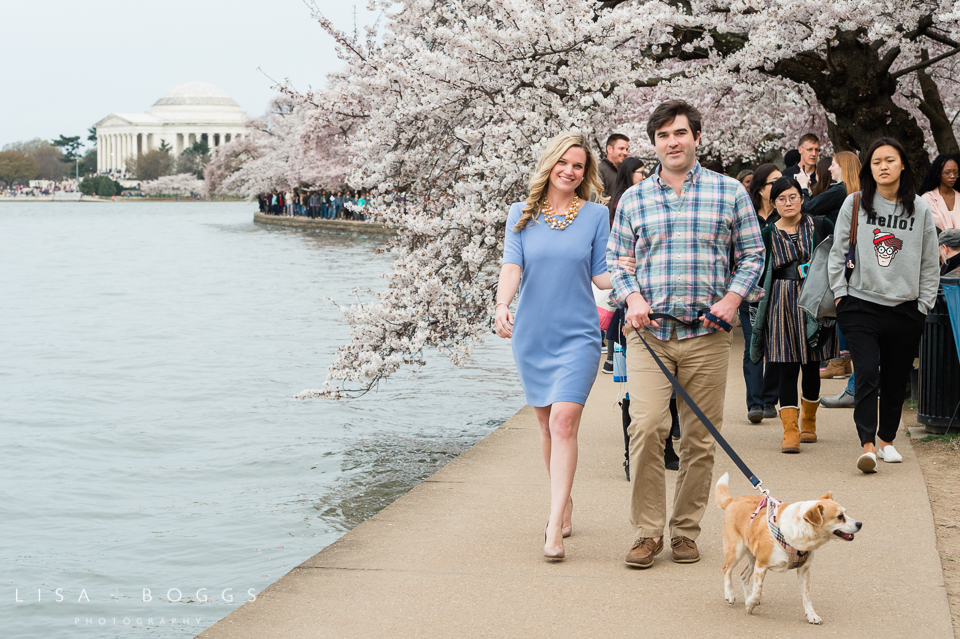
point(762, 381)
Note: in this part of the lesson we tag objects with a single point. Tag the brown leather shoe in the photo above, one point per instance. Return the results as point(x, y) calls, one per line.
point(643, 552)
point(685, 550)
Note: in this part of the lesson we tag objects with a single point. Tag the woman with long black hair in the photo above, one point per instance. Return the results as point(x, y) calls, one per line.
point(762, 380)
point(629, 173)
point(780, 333)
point(883, 301)
point(939, 191)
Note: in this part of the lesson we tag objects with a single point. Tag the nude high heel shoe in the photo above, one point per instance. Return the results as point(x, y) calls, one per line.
point(551, 553)
point(566, 532)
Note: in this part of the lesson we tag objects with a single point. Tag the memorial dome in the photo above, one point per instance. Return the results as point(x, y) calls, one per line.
point(198, 101)
point(196, 93)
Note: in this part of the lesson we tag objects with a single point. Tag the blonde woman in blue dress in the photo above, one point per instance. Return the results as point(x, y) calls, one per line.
point(557, 240)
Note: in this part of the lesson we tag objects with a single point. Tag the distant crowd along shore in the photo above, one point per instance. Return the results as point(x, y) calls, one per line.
point(39, 188)
point(322, 204)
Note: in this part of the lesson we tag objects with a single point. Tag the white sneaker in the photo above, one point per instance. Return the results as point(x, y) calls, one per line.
point(889, 454)
point(867, 463)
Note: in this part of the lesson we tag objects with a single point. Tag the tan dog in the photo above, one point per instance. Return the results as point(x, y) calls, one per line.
point(804, 526)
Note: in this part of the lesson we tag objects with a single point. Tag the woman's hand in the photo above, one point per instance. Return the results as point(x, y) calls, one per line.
point(803, 179)
point(503, 325)
point(836, 302)
point(629, 264)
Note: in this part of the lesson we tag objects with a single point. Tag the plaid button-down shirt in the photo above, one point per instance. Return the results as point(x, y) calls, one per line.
point(683, 247)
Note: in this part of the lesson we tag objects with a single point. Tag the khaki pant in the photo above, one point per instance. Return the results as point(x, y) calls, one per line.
point(700, 365)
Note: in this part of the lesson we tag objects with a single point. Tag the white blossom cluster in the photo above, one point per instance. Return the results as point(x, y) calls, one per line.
point(180, 184)
point(284, 149)
point(447, 109)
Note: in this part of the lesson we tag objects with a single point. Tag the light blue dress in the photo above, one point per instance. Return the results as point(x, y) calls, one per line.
point(556, 332)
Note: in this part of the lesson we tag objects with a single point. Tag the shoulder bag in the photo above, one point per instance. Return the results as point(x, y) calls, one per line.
point(817, 298)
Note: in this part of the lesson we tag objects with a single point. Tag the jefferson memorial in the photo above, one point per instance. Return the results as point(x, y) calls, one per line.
point(187, 113)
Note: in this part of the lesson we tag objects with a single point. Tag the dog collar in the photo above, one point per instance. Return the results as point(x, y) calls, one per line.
point(797, 557)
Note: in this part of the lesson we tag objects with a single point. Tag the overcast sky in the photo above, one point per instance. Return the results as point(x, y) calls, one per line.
point(68, 64)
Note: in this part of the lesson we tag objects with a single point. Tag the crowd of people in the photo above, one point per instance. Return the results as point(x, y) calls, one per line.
point(39, 188)
point(322, 204)
point(685, 253)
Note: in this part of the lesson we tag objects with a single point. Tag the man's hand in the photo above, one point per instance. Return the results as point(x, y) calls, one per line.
point(725, 309)
point(836, 302)
point(638, 313)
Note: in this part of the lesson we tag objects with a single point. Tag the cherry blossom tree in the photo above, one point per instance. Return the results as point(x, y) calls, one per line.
point(446, 110)
point(181, 184)
point(290, 146)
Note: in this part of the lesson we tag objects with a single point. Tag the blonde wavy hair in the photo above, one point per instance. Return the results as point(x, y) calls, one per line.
point(590, 189)
point(849, 165)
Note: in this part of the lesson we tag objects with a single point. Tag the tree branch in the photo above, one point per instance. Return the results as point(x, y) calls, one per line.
point(888, 60)
point(924, 64)
point(942, 39)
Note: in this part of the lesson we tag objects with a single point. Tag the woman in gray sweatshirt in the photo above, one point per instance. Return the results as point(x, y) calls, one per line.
point(881, 307)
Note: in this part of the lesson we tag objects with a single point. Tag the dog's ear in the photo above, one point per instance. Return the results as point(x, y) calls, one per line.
point(827, 495)
point(814, 515)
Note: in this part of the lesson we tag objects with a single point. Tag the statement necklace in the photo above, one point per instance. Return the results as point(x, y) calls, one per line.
point(557, 221)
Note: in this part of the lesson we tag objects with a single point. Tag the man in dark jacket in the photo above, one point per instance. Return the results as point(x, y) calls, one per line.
point(618, 146)
point(809, 149)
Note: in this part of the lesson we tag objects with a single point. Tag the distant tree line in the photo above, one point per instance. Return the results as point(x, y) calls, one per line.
point(39, 159)
point(62, 158)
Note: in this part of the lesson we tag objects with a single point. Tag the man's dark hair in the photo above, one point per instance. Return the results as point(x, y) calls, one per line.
point(808, 137)
point(668, 111)
point(791, 158)
point(616, 137)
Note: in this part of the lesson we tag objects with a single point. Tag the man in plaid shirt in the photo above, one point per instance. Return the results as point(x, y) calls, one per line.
point(697, 243)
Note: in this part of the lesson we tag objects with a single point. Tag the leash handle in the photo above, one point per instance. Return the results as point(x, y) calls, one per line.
point(702, 314)
point(756, 483)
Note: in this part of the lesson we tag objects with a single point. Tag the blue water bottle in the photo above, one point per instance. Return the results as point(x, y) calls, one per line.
point(619, 363)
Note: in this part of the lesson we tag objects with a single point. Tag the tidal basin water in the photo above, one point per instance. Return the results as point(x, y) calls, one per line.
point(154, 464)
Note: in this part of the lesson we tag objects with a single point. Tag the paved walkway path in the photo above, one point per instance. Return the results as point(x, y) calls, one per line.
point(460, 555)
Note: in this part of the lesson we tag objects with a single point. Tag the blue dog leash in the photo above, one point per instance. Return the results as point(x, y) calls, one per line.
point(754, 481)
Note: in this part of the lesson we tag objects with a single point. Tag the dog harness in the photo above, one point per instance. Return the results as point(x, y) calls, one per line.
point(797, 557)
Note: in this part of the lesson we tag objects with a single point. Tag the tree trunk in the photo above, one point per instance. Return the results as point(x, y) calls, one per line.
point(854, 84)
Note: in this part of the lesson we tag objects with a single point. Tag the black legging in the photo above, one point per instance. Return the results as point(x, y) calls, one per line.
point(789, 372)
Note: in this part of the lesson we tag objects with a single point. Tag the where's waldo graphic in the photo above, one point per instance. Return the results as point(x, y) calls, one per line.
point(886, 245)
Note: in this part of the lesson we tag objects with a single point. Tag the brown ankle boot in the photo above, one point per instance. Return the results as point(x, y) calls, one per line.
point(808, 420)
point(847, 366)
point(834, 368)
point(791, 434)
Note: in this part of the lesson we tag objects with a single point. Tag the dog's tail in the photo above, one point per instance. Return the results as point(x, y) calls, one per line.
point(721, 494)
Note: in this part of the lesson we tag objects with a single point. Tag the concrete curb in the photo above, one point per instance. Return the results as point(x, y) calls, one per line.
point(328, 225)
